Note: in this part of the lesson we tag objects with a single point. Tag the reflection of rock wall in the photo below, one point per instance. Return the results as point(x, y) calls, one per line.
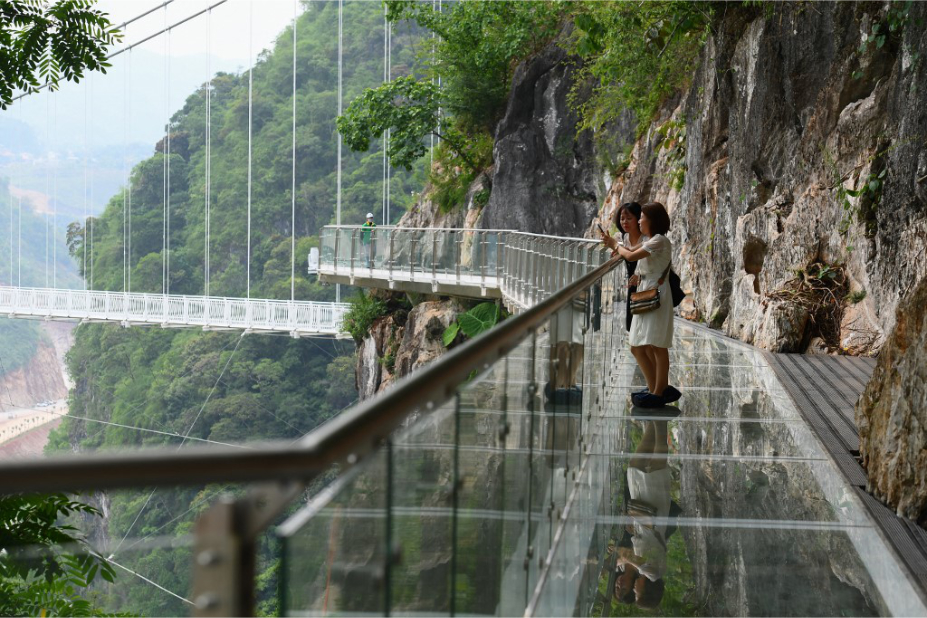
point(892, 414)
point(752, 567)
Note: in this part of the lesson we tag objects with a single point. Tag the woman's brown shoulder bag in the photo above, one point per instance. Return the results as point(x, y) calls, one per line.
point(648, 300)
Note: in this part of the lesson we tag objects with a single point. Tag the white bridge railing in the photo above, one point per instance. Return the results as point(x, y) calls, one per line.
point(522, 268)
point(296, 318)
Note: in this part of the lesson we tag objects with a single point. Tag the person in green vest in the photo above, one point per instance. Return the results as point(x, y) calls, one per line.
point(366, 237)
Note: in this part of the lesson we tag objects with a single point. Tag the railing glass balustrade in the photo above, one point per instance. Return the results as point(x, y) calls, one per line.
point(525, 268)
point(538, 489)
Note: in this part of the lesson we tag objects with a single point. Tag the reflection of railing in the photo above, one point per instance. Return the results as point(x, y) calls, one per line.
point(525, 268)
point(175, 310)
point(415, 467)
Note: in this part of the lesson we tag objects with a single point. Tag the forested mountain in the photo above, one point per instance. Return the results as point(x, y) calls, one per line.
point(220, 386)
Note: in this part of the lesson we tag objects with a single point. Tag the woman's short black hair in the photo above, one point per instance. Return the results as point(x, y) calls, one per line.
point(632, 207)
point(659, 219)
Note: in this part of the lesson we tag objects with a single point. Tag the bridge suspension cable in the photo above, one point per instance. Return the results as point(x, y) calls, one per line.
point(208, 162)
point(293, 187)
point(250, 136)
point(47, 146)
point(55, 202)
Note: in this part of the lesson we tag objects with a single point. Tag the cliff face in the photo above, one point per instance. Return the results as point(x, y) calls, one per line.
point(546, 179)
point(892, 414)
point(398, 345)
point(41, 379)
point(754, 161)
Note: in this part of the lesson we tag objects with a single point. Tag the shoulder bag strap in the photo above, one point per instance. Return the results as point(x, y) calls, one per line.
point(665, 272)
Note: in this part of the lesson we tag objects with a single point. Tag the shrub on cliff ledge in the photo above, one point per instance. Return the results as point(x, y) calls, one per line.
point(364, 310)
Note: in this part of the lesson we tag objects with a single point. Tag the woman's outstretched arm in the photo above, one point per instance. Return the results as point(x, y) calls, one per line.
point(633, 255)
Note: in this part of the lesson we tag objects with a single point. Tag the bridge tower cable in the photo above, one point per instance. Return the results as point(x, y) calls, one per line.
point(389, 78)
point(167, 249)
point(208, 163)
point(12, 261)
point(91, 218)
point(83, 271)
point(129, 177)
point(125, 173)
point(385, 79)
point(340, 99)
point(55, 202)
point(19, 246)
point(293, 185)
point(250, 134)
point(167, 120)
point(47, 148)
point(431, 150)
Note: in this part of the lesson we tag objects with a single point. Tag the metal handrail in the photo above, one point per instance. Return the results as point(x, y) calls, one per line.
point(460, 229)
point(346, 439)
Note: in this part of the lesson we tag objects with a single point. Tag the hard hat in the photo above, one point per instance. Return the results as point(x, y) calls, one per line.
point(370, 215)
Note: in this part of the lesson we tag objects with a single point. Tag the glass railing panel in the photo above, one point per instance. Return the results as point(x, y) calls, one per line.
point(334, 550)
point(481, 516)
point(327, 249)
point(521, 416)
point(422, 502)
point(345, 247)
point(445, 252)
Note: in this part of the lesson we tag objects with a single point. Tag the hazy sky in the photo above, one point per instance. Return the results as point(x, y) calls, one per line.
point(134, 87)
point(230, 33)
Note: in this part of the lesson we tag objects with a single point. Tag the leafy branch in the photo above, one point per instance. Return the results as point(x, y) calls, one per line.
point(42, 44)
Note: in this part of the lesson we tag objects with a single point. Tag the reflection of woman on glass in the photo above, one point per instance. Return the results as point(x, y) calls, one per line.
point(643, 565)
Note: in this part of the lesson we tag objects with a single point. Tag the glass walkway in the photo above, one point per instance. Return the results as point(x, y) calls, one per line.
point(519, 497)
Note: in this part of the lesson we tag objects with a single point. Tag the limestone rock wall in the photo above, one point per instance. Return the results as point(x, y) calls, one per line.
point(892, 414)
point(750, 160)
point(398, 345)
point(546, 179)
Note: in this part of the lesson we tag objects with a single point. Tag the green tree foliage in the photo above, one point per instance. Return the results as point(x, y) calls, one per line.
point(474, 52)
point(476, 48)
point(472, 323)
point(19, 340)
point(43, 43)
point(637, 54)
point(46, 564)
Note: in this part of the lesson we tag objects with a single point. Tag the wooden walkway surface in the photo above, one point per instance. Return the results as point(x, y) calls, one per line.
point(825, 389)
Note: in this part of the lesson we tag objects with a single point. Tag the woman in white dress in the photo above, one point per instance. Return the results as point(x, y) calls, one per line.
point(651, 333)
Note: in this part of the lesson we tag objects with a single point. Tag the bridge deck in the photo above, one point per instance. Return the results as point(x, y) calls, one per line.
point(825, 389)
point(260, 315)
